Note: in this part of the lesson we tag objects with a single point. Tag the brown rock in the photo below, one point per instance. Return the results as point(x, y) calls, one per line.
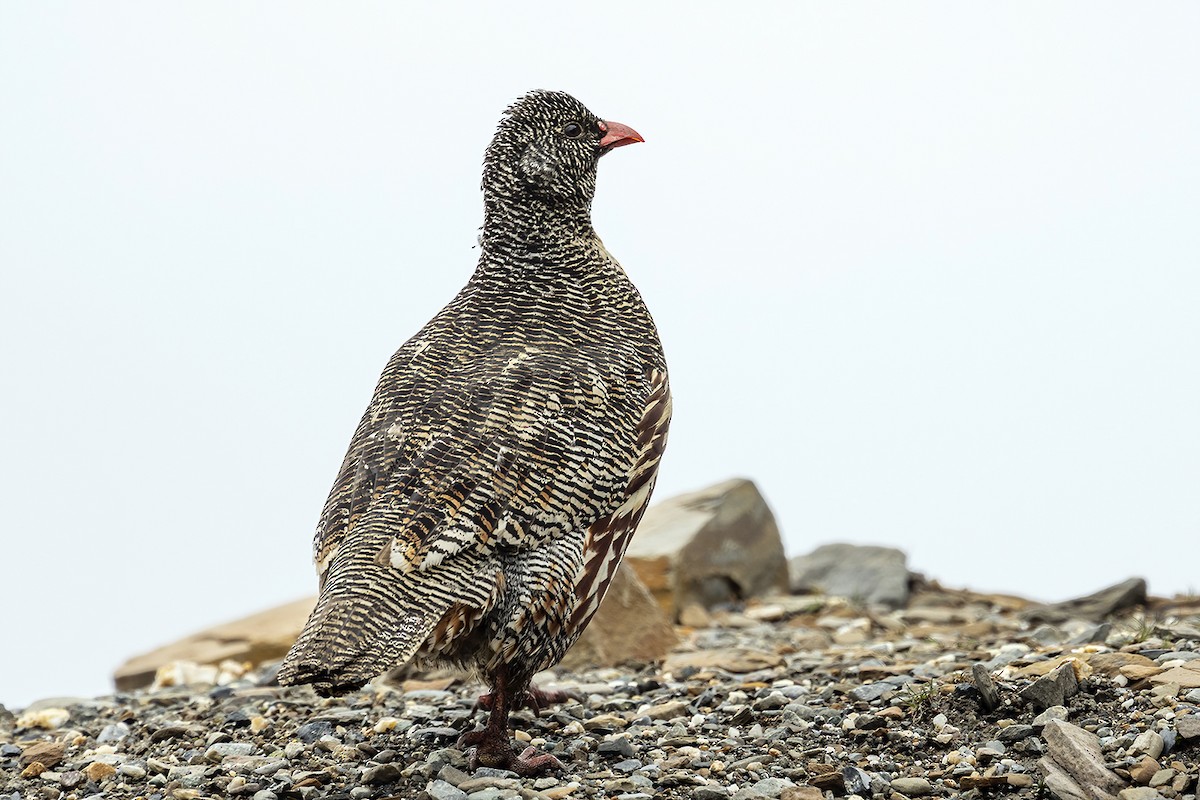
point(98, 771)
point(832, 780)
point(1109, 664)
point(48, 753)
point(978, 781)
point(802, 793)
point(630, 627)
point(257, 638)
point(730, 660)
point(717, 545)
point(1136, 672)
point(1144, 770)
point(1186, 675)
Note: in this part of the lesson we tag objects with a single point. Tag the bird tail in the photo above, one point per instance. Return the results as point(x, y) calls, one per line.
point(354, 635)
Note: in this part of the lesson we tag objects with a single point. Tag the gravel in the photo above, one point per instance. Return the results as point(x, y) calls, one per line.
point(895, 712)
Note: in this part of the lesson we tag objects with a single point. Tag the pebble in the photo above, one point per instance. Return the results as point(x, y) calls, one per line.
point(742, 711)
point(442, 790)
point(914, 787)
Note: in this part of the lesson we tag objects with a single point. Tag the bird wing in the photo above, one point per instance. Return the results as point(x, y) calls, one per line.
point(505, 450)
point(609, 535)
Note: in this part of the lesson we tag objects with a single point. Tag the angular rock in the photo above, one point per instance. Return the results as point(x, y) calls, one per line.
point(1077, 753)
point(988, 694)
point(629, 627)
point(1093, 607)
point(1147, 743)
point(714, 546)
point(1186, 676)
point(1188, 726)
point(872, 575)
point(1144, 770)
point(1109, 664)
point(1053, 689)
point(1060, 783)
point(257, 638)
point(1139, 793)
point(49, 754)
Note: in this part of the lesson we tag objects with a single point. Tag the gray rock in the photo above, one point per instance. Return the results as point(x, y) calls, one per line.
point(914, 787)
point(1147, 743)
point(1094, 607)
point(311, 731)
point(617, 747)
point(441, 790)
point(1053, 712)
point(1139, 793)
point(871, 575)
point(857, 781)
point(1188, 727)
point(113, 733)
point(989, 696)
point(1077, 753)
point(715, 546)
point(704, 793)
point(1053, 689)
point(1016, 733)
point(1059, 782)
point(453, 775)
point(871, 691)
point(384, 773)
point(226, 749)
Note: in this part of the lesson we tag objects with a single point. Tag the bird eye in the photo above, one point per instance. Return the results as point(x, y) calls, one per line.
point(572, 130)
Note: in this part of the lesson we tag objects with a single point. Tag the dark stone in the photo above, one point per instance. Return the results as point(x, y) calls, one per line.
point(989, 696)
point(1016, 733)
point(857, 781)
point(384, 773)
point(1053, 689)
point(309, 732)
point(869, 722)
point(619, 746)
point(872, 575)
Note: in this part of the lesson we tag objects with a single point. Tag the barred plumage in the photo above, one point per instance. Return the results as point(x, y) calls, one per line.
point(510, 447)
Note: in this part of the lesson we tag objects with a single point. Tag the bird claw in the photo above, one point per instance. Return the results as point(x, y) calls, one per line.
point(529, 763)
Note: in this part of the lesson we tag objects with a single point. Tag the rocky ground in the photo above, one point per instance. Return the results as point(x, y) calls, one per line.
point(790, 697)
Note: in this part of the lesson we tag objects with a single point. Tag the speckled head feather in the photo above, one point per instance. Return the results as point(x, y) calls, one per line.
point(546, 147)
point(510, 448)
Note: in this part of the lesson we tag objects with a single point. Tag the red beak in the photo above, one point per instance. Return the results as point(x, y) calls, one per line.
point(618, 135)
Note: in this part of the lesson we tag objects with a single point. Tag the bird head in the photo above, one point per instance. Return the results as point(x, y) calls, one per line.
point(547, 147)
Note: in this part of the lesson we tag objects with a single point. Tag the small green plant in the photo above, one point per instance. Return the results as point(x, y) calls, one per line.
point(918, 700)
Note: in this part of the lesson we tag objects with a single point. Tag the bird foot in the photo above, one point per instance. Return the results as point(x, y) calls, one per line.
point(488, 751)
point(534, 699)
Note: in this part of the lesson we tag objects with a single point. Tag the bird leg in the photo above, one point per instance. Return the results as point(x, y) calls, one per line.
point(491, 743)
point(534, 699)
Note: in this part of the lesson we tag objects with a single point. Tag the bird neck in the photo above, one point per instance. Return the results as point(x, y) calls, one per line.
point(534, 230)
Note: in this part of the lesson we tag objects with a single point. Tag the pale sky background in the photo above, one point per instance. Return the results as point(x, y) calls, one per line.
point(928, 273)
